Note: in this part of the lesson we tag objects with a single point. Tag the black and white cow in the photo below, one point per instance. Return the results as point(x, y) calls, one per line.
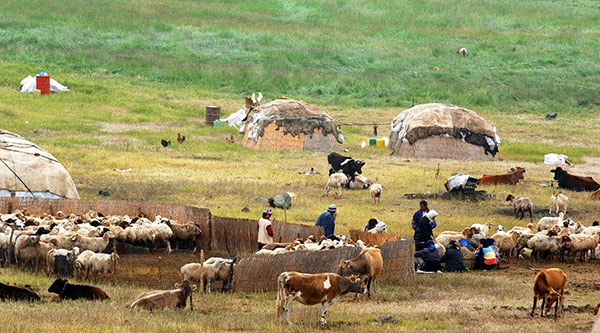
point(349, 166)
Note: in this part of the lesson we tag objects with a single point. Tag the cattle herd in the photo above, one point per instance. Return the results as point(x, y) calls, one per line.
point(83, 246)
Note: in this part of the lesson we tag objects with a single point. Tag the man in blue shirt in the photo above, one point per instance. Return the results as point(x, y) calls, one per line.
point(327, 220)
point(418, 216)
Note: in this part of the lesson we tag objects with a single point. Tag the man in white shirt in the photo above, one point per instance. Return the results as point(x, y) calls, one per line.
point(265, 229)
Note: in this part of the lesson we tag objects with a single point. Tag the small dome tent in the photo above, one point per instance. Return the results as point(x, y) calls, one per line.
point(26, 168)
point(443, 131)
point(293, 125)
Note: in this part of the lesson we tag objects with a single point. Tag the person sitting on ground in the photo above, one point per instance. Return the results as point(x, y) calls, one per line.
point(265, 229)
point(453, 258)
point(494, 247)
point(425, 229)
point(428, 259)
point(485, 256)
point(375, 226)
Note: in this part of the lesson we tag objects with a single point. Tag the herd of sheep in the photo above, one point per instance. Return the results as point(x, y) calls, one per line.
point(552, 237)
point(77, 242)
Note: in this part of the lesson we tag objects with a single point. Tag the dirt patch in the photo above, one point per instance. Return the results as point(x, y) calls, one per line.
point(115, 128)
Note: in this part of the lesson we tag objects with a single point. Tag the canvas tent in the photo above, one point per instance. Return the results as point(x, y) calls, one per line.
point(293, 125)
point(443, 131)
point(23, 163)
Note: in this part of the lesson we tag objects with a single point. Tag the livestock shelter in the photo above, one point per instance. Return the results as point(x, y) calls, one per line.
point(27, 170)
point(292, 125)
point(443, 131)
point(260, 272)
point(230, 235)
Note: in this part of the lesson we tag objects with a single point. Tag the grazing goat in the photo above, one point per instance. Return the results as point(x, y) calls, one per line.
point(558, 203)
point(521, 205)
point(376, 190)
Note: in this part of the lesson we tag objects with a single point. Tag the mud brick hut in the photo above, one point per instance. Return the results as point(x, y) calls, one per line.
point(443, 131)
point(293, 125)
point(27, 170)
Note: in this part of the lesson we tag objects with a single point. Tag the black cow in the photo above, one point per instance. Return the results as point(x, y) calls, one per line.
point(349, 166)
point(572, 182)
point(17, 293)
point(76, 291)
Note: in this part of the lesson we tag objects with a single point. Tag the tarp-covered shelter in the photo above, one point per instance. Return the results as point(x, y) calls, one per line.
point(27, 170)
point(444, 131)
point(292, 125)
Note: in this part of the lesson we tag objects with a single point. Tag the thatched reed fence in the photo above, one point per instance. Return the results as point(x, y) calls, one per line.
point(238, 236)
point(231, 235)
point(260, 272)
point(373, 239)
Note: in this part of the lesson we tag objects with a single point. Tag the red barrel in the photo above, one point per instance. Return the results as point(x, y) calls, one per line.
point(42, 83)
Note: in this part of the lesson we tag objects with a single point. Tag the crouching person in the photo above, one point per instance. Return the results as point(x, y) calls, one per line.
point(485, 256)
point(453, 258)
point(427, 260)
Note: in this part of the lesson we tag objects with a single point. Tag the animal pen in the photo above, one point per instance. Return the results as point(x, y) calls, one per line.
point(233, 236)
point(260, 272)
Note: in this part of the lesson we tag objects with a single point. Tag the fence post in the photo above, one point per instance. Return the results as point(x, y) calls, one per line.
point(159, 271)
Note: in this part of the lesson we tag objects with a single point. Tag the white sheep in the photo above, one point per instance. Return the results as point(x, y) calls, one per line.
point(82, 262)
point(482, 228)
point(558, 203)
point(102, 263)
point(548, 222)
point(376, 190)
point(581, 243)
point(544, 242)
point(336, 181)
point(96, 244)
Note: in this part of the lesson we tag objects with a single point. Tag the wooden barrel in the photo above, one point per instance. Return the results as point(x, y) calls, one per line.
point(213, 112)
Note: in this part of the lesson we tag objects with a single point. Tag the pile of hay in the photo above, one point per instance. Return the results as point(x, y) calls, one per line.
point(436, 119)
point(294, 117)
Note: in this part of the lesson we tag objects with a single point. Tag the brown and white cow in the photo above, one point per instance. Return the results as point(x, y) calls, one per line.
point(310, 289)
point(511, 178)
point(161, 299)
point(367, 265)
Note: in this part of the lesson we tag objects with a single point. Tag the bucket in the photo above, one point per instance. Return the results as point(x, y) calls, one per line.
point(372, 142)
point(380, 143)
point(217, 123)
point(42, 83)
point(213, 112)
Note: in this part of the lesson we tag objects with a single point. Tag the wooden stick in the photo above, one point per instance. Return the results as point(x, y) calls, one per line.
point(285, 215)
point(159, 271)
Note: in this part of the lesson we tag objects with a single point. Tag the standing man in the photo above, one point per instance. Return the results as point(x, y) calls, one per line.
point(418, 216)
point(327, 220)
point(265, 229)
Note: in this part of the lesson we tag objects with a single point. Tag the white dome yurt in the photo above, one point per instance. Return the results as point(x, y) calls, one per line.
point(27, 170)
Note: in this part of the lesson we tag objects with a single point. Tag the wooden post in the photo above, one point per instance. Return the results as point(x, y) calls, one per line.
point(115, 253)
point(201, 269)
point(285, 215)
point(250, 241)
point(159, 271)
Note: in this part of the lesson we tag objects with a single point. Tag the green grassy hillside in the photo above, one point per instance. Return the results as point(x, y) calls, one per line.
point(524, 57)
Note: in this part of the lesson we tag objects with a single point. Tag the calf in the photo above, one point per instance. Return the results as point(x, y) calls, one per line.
point(175, 298)
point(368, 265)
point(15, 293)
point(347, 165)
point(572, 182)
point(511, 178)
point(66, 290)
point(310, 289)
point(549, 285)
